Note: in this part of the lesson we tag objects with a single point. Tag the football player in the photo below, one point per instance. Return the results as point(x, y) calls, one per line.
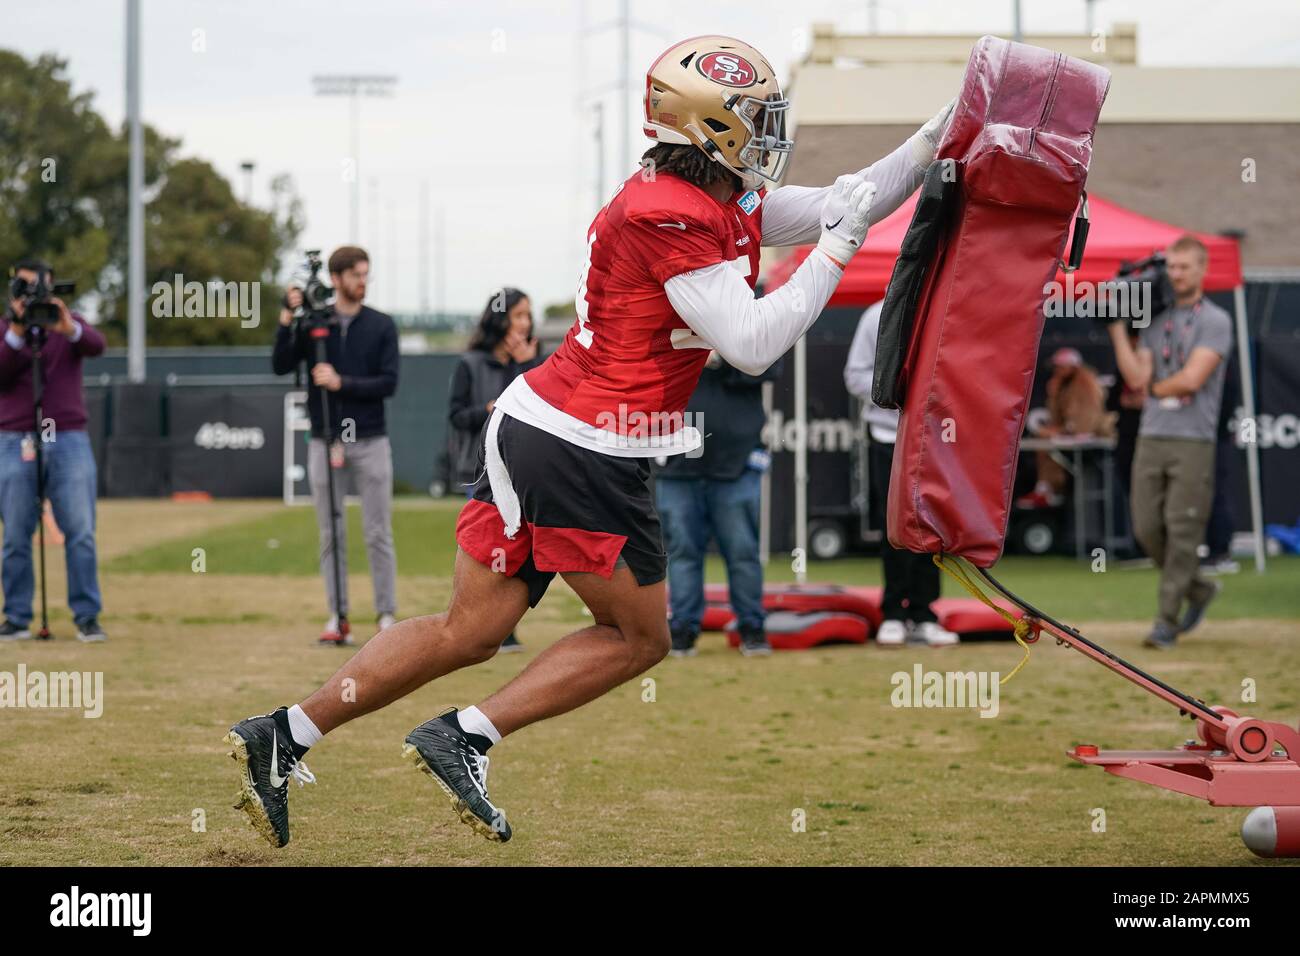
point(670, 270)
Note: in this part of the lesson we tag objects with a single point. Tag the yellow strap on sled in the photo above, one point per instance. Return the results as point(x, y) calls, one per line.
point(1019, 626)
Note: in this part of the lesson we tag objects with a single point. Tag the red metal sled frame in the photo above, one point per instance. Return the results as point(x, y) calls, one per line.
point(1233, 763)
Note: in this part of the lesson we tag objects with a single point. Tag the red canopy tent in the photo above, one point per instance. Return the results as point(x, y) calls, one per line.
point(1116, 234)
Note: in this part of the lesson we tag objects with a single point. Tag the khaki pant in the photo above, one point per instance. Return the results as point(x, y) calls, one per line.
point(369, 463)
point(1173, 488)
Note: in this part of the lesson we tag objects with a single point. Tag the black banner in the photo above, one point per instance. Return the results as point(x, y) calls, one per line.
point(228, 442)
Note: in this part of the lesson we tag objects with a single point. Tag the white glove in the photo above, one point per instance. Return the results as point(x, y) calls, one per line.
point(844, 217)
point(925, 141)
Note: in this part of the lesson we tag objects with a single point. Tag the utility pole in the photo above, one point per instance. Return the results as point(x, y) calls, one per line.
point(135, 201)
point(354, 86)
point(425, 265)
point(599, 110)
point(247, 167)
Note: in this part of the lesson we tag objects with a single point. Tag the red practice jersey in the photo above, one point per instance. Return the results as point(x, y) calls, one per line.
point(629, 359)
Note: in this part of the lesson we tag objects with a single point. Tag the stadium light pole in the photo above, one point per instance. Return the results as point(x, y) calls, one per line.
point(425, 265)
point(134, 201)
point(247, 167)
point(623, 85)
point(354, 86)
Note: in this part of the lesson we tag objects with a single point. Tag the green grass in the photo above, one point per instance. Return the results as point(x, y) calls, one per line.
point(714, 762)
point(284, 543)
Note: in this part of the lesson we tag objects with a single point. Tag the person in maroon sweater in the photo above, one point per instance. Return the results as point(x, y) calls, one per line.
point(69, 464)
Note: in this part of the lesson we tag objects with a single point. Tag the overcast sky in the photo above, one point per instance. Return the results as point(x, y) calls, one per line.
point(486, 108)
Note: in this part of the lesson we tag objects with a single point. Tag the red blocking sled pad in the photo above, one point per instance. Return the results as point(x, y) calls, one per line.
point(805, 615)
point(962, 319)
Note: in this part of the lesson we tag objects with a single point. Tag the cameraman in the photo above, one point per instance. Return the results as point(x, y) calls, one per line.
point(1179, 364)
point(360, 374)
point(66, 457)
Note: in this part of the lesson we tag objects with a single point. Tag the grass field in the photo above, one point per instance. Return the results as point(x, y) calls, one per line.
point(714, 769)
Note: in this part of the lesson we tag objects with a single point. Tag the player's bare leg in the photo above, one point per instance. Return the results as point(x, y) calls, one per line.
point(629, 637)
point(485, 607)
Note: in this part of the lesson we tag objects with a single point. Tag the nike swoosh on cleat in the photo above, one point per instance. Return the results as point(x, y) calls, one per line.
point(272, 774)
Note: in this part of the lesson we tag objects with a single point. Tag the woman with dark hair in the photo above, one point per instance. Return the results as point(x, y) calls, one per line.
point(501, 348)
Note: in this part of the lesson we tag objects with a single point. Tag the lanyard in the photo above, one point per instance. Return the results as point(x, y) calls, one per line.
point(1167, 341)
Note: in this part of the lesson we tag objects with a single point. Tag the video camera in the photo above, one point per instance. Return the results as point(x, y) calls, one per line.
point(39, 311)
point(317, 297)
point(1147, 281)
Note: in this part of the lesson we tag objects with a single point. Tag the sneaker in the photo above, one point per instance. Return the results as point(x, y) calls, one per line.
point(9, 631)
point(336, 633)
point(441, 749)
point(753, 642)
point(934, 635)
point(1195, 612)
point(1162, 637)
point(89, 631)
point(384, 622)
point(266, 765)
point(683, 642)
point(511, 644)
point(892, 634)
point(1223, 564)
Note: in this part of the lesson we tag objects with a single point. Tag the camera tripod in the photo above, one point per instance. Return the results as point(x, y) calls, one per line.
point(36, 338)
point(319, 332)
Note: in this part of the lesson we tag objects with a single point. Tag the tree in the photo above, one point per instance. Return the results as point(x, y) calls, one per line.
point(63, 197)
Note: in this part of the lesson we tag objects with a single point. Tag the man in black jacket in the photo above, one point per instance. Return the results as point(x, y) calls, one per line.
point(716, 494)
point(360, 373)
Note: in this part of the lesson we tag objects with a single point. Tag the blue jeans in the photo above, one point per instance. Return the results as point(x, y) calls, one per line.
point(70, 485)
point(692, 511)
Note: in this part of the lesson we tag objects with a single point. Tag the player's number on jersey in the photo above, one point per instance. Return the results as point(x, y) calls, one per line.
point(584, 335)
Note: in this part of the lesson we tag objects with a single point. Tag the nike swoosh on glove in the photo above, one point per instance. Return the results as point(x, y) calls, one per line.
point(844, 217)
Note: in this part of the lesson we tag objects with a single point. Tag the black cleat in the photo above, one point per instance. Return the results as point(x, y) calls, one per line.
point(511, 644)
point(441, 749)
point(263, 748)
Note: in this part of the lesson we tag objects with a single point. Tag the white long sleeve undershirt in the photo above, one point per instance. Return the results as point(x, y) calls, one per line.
point(792, 214)
point(719, 306)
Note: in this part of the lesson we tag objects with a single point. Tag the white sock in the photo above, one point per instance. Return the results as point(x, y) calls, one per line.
point(304, 731)
point(474, 721)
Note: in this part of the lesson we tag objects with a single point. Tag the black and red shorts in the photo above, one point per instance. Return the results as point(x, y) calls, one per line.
point(579, 510)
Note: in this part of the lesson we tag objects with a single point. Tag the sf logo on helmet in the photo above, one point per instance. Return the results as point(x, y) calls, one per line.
point(727, 69)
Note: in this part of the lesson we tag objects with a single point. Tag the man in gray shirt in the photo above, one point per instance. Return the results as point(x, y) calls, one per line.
point(1179, 362)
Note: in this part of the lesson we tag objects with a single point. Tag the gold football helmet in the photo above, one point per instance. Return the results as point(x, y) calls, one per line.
point(721, 95)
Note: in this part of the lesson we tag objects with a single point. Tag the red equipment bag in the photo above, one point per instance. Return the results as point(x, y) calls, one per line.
point(963, 315)
point(862, 601)
point(800, 630)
